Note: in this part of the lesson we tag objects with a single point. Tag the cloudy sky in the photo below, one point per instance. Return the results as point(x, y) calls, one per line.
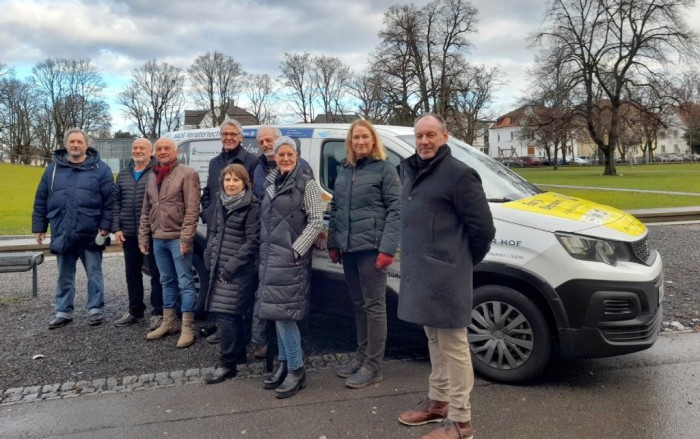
point(121, 35)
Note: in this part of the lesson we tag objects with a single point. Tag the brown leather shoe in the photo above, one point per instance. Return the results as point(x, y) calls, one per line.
point(261, 352)
point(427, 411)
point(452, 430)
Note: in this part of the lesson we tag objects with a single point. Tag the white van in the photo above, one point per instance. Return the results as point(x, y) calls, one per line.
point(563, 274)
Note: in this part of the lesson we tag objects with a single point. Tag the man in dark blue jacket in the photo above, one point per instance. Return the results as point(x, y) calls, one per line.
point(75, 197)
point(128, 200)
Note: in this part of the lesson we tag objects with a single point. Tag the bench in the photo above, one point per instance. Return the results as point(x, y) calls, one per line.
point(13, 262)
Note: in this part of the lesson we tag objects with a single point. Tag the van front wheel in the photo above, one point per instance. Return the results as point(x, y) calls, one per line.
point(508, 337)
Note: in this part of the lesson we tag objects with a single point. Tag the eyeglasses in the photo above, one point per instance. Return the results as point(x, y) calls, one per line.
point(229, 134)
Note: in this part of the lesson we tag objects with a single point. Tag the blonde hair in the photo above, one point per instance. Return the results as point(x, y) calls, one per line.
point(378, 150)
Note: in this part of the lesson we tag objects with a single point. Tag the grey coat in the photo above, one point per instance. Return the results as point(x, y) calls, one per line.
point(233, 248)
point(365, 208)
point(284, 286)
point(447, 228)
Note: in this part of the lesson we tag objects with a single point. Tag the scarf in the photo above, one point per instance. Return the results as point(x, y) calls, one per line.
point(162, 171)
point(231, 201)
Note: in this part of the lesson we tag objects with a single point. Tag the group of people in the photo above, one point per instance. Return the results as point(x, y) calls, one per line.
point(263, 215)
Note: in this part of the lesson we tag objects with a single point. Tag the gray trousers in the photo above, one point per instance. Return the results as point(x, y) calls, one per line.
point(367, 287)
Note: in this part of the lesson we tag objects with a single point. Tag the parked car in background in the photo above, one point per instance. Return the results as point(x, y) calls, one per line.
point(530, 161)
point(582, 161)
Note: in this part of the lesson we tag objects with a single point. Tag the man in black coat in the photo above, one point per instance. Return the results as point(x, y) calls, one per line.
point(128, 200)
point(231, 152)
point(446, 229)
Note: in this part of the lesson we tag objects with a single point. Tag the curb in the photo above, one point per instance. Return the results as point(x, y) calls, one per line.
point(134, 383)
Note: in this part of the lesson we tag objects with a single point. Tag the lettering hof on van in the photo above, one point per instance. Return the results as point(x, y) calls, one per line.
point(506, 249)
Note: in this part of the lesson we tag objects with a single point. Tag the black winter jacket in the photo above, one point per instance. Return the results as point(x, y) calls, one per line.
point(233, 248)
point(366, 206)
point(128, 199)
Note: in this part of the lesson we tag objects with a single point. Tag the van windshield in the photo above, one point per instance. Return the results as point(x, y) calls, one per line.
point(500, 183)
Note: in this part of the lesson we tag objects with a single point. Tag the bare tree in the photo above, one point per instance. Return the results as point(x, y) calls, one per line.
point(152, 96)
point(216, 84)
point(72, 93)
point(18, 107)
point(261, 92)
point(369, 89)
point(474, 92)
point(613, 44)
point(331, 77)
point(297, 75)
point(425, 51)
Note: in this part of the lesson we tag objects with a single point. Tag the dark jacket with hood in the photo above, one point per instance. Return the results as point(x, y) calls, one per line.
point(75, 200)
point(233, 246)
point(366, 207)
point(447, 229)
point(216, 165)
point(128, 198)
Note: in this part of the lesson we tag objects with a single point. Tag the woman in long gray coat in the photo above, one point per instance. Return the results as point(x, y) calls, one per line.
point(363, 232)
point(291, 220)
point(231, 258)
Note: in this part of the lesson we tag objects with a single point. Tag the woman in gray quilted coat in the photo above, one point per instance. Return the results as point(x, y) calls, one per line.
point(363, 233)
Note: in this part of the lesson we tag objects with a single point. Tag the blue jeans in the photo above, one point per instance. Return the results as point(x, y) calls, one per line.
point(176, 274)
point(289, 343)
point(65, 288)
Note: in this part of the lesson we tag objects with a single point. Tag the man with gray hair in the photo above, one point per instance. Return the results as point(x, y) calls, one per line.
point(231, 152)
point(75, 197)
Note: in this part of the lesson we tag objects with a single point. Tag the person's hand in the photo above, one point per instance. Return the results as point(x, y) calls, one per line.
point(225, 277)
point(143, 248)
point(383, 261)
point(39, 237)
point(104, 232)
point(335, 255)
point(185, 248)
point(119, 236)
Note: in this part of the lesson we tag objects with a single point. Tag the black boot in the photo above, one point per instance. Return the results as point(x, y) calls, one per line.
point(295, 380)
point(219, 374)
point(274, 380)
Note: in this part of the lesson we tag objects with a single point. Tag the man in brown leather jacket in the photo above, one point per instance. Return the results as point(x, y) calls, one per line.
point(169, 215)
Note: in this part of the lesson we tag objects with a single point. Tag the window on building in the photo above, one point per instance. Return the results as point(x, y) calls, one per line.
point(499, 137)
point(511, 135)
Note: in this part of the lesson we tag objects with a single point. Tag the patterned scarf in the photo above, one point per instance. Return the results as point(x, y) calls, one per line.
point(231, 201)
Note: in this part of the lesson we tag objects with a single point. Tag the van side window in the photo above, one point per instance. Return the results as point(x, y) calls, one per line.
point(332, 153)
point(394, 159)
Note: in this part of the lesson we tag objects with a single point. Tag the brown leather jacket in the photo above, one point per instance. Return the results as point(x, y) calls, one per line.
point(173, 211)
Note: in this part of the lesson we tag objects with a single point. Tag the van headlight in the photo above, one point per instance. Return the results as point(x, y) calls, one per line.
point(594, 249)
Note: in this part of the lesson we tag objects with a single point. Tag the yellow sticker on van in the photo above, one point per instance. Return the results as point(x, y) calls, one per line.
point(562, 206)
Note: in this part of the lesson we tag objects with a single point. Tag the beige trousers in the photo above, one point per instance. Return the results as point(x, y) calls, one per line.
point(452, 377)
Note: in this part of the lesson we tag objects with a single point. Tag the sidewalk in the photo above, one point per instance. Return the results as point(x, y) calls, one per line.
point(654, 393)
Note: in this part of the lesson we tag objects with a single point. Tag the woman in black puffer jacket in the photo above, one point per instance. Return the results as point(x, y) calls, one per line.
point(231, 259)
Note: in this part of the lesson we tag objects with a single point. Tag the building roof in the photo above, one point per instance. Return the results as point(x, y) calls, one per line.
point(195, 118)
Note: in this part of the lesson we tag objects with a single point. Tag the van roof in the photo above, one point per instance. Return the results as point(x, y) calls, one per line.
point(308, 130)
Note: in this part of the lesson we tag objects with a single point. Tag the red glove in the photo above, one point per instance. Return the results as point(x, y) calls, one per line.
point(383, 261)
point(335, 255)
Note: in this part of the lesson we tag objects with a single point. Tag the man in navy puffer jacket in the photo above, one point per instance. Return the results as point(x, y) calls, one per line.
point(75, 198)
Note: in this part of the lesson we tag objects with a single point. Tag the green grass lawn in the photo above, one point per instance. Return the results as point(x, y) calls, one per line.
point(667, 177)
point(18, 185)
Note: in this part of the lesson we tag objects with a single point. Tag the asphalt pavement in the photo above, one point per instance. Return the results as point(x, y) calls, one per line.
point(650, 394)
